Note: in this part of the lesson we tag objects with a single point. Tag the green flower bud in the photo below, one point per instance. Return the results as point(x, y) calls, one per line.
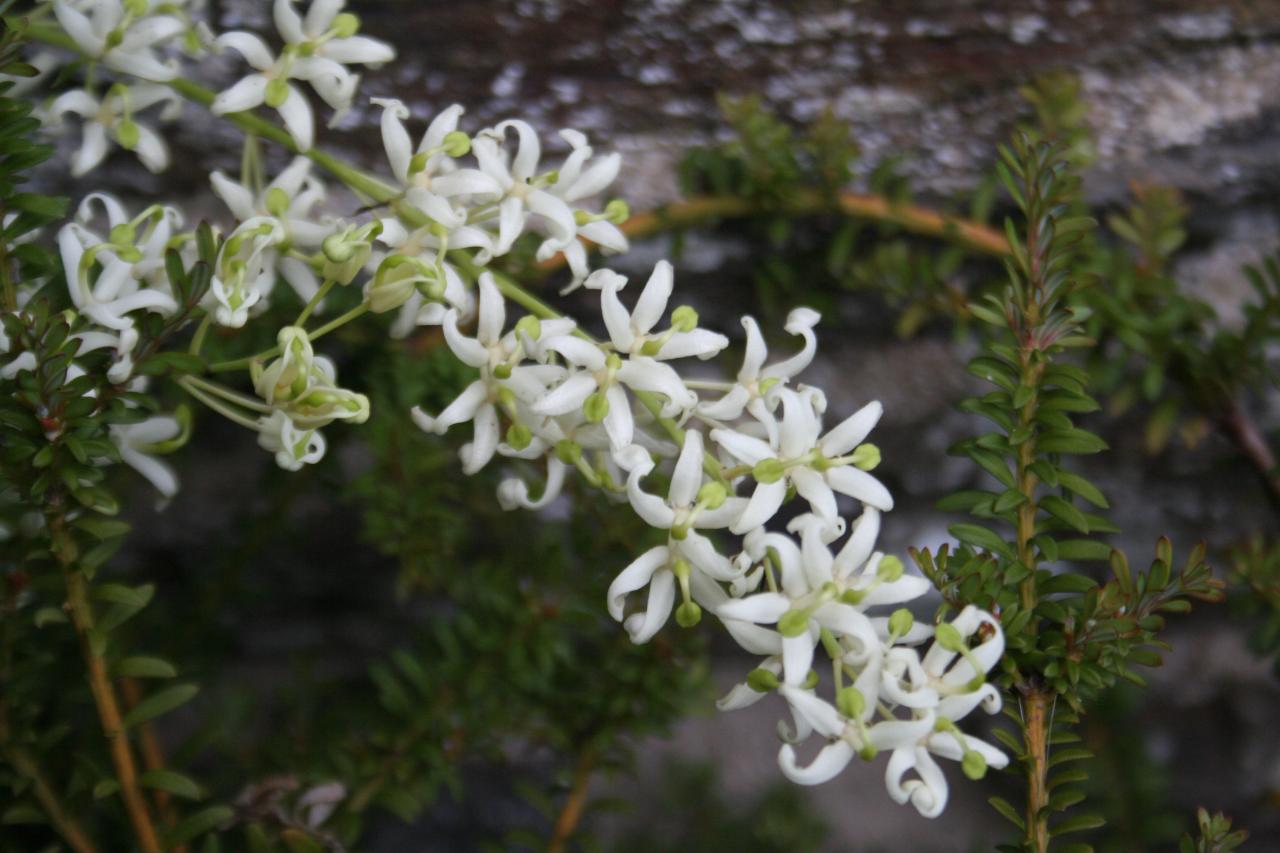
point(391, 286)
point(688, 614)
point(582, 217)
point(890, 569)
point(136, 8)
point(277, 92)
point(337, 247)
point(345, 25)
point(867, 752)
point(123, 234)
point(613, 362)
point(596, 408)
point(713, 495)
point(850, 702)
point(948, 637)
point(866, 457)
point(762, 680)
point(502, 371)
point(811, 680)
point(769, 471)
point(901, 622)
point(129, 254)
point(975, 766)
point(684, 319)
point(418, 162)
point(115, 38)
point(519, 436)
point(793, 623)
point(456, 144)
point(617, 211)
point(652, 347)
point(127, 134)
point(277, 201)
point(529, 325)
point(568, 451)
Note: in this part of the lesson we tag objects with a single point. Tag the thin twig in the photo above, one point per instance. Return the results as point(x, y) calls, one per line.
point(1248, 438)
point(574, 804)
point(62, 821)
point(152, 756)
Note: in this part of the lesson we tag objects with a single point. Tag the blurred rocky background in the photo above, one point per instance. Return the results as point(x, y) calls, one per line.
point(1183, 93)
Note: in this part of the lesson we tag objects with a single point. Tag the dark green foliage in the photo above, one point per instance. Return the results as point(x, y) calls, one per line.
point(778, 819)
point(1255, 570)
point(1214, 835)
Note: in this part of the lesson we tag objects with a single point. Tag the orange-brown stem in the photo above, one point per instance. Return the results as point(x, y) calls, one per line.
point(574, 804)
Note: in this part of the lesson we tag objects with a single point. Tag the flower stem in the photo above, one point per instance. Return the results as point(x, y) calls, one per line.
point(152, 756)
point(1035, 726)
point(104, 695)
point(315, 301)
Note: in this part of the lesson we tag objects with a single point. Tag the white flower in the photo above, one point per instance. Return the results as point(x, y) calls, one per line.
point(316, 50)
point(690, 506)
point(111, 120)
point(632, 331)
point(289, 200)
point(755, 380)
point(304, 385)
point(293, 447)
point(815, 464)
point(108, 31)
point(137, 444)
point(244, 271)
point(503, 379)
point(430, 176)
point(596, 385)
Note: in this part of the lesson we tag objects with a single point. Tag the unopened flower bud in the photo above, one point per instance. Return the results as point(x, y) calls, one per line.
point(456, 144)
point(277, 92)
point(617, 211)
point(277, 202)
point(122, 235)
point(974, 765)
point(529, 325)
point(949, 637)
point(345, 25)
point(793, 623)
point(568, 451)
point(519, 436)
point(850, 702)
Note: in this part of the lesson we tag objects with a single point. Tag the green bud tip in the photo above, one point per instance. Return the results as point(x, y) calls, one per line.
point(975, 766)
point(762, 680)
point(506, 398)
point(652, 347)
point(850, 702)
point(768, 471)
point(688, 614)
point(793, 623)
point(127, 134)
point(123, 234)
point(456, 144)
point(890, 569)
point(136, 7)
point(866, 457)
point(502, 371)
point(277, 201)
point(345, 25)
point(129, 254)
point(115, 38)
point(596, 408)
point(811, 680)
point(617, 211)
point(582, 217)
point(867, 753)
point(713, 495)
point(853, 596)
point(277, 92)
point(530, 325)
point(900, 622)
point(948, 637)
point(519, 436)
point(418, 162)
point(568, 452)
point(613, 362)
point(338, 248)
point(684, 319)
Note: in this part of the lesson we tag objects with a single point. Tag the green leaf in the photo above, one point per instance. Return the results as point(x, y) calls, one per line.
point(1083, 549)
point(102, 528)
point(1064, 512)
point(1005, 808)
point(144, 667)
point(22, 813)
point(1009, 499)
point(994, 465)
point(1069, 441)
point(161, 702)
point(117, 593)
point(199, 823)
point(105, 788)
point(1082, 487)
point(1077, 823)
point(1066, 582)
point(981, 537)
point(49, 616)
point(173, 782)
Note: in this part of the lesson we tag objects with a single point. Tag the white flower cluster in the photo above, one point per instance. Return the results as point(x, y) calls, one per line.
point(610, 409)
point(617, 412)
